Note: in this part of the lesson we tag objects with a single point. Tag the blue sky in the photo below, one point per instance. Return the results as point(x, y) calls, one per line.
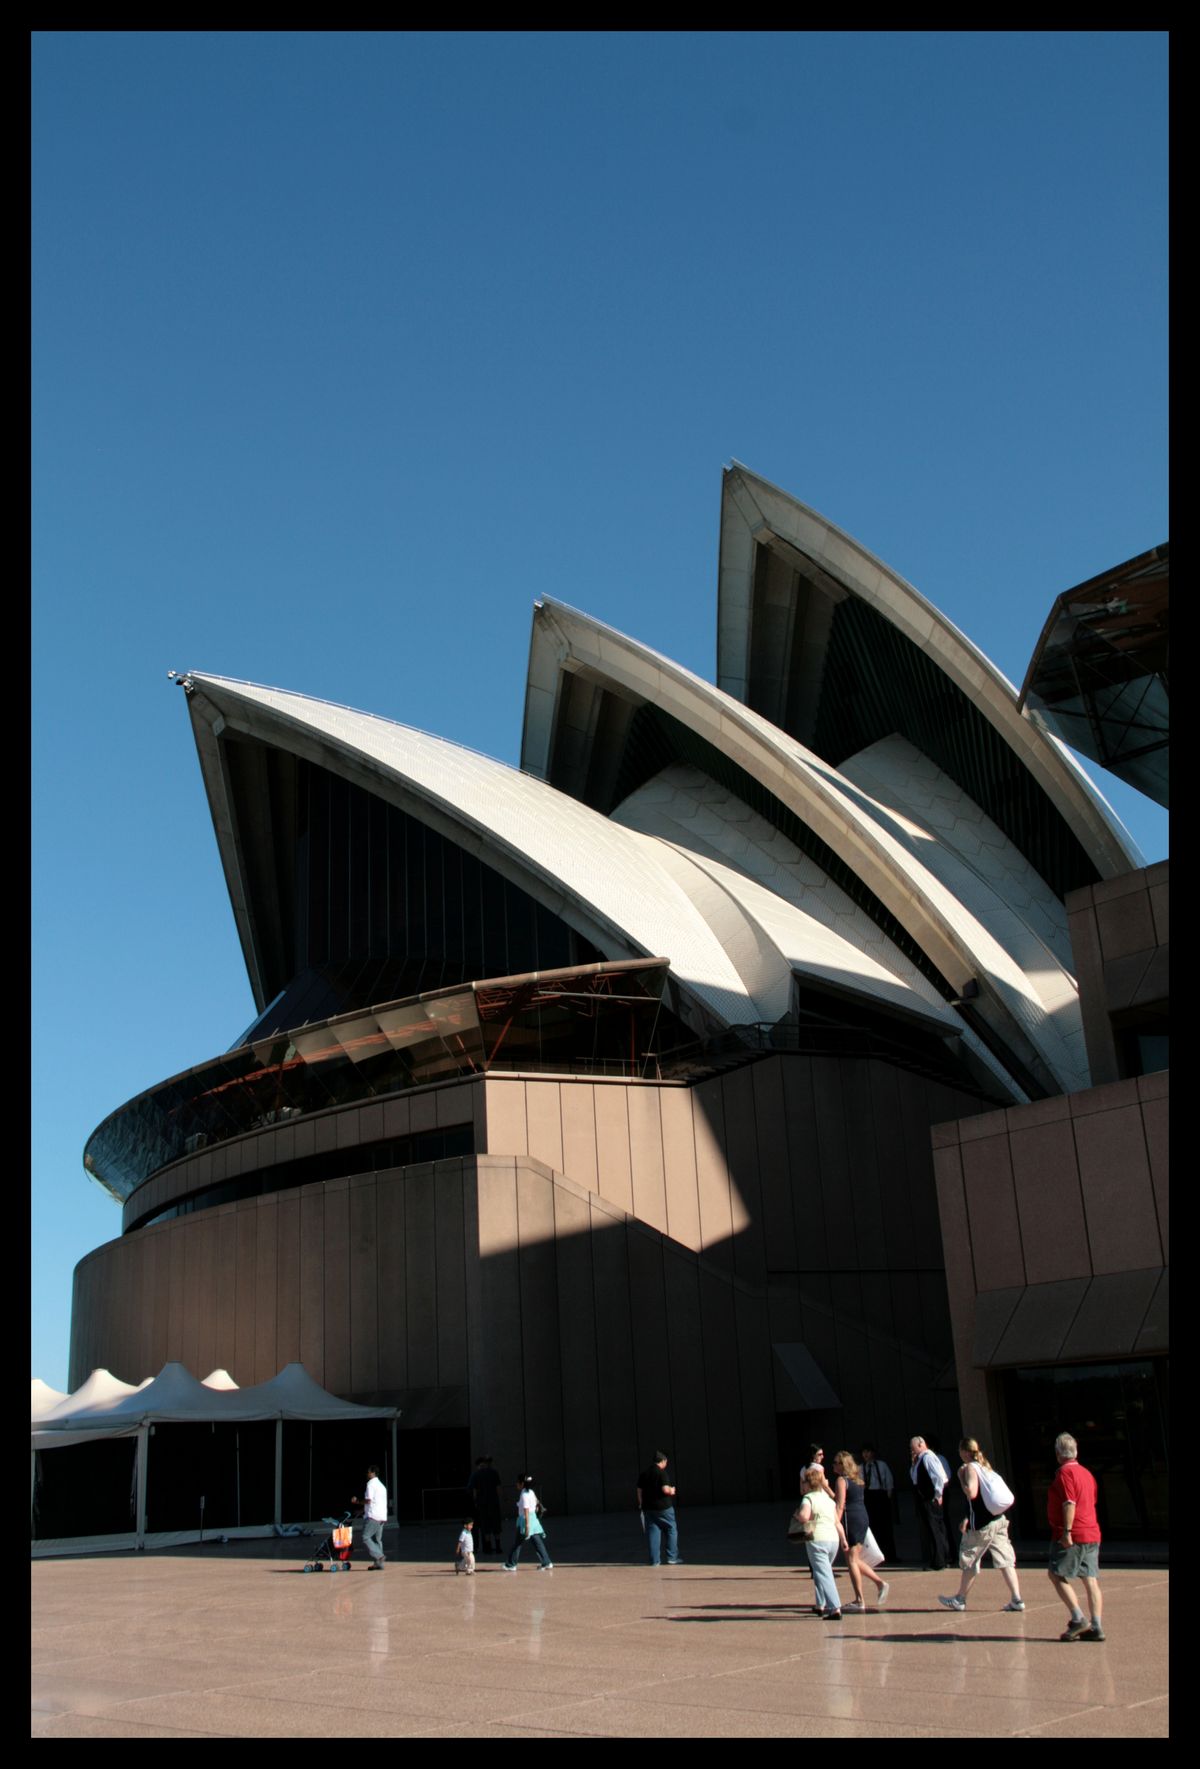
point(348, 347)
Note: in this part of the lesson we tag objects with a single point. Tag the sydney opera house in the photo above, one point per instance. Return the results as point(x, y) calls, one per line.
point(630, 1097)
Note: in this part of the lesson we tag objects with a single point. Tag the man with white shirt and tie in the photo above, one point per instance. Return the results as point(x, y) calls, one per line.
point(929, 1481)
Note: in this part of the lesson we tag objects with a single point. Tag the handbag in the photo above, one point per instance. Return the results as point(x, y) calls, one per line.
point(800, 1530)
point(994, 1490)
point(872, 1554)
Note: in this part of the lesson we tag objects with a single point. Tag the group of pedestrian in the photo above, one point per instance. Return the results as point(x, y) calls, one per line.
point(845, 1516)
point(833, 1517)
point(853, 1514)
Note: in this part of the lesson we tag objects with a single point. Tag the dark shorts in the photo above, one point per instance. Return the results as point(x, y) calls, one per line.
point(1080, 1561)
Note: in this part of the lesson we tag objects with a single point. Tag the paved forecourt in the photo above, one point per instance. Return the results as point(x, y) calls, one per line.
point(234, 1642)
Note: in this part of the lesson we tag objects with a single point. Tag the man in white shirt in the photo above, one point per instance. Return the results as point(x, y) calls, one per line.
point(374, 1518)
point(929, 1480)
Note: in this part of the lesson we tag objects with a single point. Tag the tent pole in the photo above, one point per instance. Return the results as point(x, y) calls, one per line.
point(395, 1477)
point(279, 1473)
point(143, 1457)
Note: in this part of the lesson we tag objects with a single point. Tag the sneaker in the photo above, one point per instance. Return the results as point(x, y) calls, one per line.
point(854, 1609)
point(1094, 1632)
point(507, 1568)
point(884, 1593)
point(952, 1603)
point(1073, 1630)
point(831, 1615)
point(1016, 1607)
point(549, 1567)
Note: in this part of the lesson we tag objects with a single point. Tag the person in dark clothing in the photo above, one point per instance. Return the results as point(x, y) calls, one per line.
point(656, 1502)
point(880, 1494)
point(484, 1488)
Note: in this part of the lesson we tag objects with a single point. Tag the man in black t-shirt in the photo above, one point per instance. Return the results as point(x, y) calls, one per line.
point(656, 1502)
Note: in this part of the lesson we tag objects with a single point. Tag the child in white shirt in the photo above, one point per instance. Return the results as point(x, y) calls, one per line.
point(464, 1552)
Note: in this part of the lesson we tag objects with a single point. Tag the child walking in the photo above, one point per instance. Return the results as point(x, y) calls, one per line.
point(464, 1550)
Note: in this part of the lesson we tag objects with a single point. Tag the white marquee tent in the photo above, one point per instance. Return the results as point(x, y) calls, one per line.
point(105, 1409)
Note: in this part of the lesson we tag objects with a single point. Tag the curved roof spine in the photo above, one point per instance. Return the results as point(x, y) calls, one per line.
point(758, 518)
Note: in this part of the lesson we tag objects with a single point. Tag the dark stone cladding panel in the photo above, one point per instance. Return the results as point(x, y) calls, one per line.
point(1111, 1316)
point(1050, 1199)
point(340, 1127)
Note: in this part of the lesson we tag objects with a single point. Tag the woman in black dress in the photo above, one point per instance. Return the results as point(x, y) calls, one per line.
point(852, 1515)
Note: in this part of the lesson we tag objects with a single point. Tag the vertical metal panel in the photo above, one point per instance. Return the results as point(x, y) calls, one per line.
point(543, 1120)
point(177, 1263)
point(689, 1448)
point(506, 1133)
point(364, 1287)
point(392, 1280)
point(287, 1303)
point(451, 1274)
point(539, 1331)
point(614, 1356)
point(266, 1278)
point(679, 1166)
point(892, 1161)
point(834, 1166)
point(204, 1266)
point(723, 1380)
point(500, 1369)
point(582, 1470)
point(420, 1251)
point(337, 1286)
point(758, 1401)
point(864, 1182)
point(312, 1281)
point(651, 1363)
point(614, 1179)
point(712, 1174)
point(246, 1219)
point(742, 1162)
point(577, 1099)
point(227, 1240)
point(778, 1224)
point(646, 1156)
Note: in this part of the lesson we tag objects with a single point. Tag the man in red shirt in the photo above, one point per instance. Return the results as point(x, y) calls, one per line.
point(1074, 1539)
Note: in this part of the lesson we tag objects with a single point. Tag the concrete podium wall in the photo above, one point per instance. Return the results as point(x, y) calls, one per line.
point(609, 1272)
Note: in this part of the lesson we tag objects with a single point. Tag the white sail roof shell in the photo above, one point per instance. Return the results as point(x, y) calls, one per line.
point(630, 892)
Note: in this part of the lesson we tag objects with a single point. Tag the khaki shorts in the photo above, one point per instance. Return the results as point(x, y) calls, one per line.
point(993, 1539)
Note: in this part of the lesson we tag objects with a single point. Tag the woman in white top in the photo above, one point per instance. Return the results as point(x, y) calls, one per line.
point(984, 1530)
point(817, 1508)
point(529, 1528)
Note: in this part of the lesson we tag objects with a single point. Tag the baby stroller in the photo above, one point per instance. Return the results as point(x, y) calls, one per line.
point(334, 1553)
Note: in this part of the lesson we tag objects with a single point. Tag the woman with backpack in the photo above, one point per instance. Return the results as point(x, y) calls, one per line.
point(985, 1527)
